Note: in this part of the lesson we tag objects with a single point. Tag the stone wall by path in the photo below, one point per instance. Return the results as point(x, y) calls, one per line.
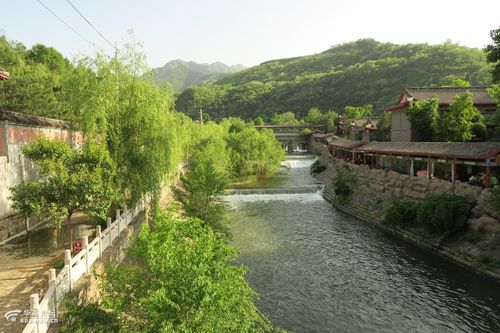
point(374, 190)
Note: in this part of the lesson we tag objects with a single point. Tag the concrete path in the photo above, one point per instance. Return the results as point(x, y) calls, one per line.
point(19, 278)
point(23, 268)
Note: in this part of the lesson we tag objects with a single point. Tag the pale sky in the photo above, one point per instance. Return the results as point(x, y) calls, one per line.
point(246, 32)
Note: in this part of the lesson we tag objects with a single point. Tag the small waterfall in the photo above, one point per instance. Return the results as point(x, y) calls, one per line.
point(300, 185)
point(279, 190)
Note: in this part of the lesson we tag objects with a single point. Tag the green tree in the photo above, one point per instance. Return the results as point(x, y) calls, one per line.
point(463, 121)
point(202, 191)
point(314, 116)
point(286, 118)
point(71, 180)
point(383, 132)
point(259, 121)
point(353, 112)
point(493, 54)
point(343, 183)
point(440, 213)
point(425, 120)
point(254, 152)
point(331, 121)
point(49, 56)
point(495, 93)
point(181, 278)
point(143, 134)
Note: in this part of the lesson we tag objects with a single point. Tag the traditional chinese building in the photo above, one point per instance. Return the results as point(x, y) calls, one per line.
point(401, 130)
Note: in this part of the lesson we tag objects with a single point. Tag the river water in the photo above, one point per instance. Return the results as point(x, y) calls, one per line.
point(319, 270)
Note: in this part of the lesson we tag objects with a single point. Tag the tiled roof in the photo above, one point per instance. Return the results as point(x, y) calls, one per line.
point(446, 95)
point(459, 150)
point(344, 143)
point(25, 119)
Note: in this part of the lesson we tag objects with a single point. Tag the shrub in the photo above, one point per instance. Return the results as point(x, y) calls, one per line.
point(442, 212)
point(343, 183)
point(401, 213)
point(202, 191)
point(317, 167)
point(495, 199)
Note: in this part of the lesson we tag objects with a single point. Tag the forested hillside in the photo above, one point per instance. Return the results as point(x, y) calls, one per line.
point(182, 74)
point(355, 73)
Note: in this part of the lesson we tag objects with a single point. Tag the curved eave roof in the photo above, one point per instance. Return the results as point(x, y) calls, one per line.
point(449, 150)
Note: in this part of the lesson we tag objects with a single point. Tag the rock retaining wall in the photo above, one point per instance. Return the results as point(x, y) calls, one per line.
point(375, 189)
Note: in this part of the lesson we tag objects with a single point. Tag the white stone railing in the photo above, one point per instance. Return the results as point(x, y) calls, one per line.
point(45, 312)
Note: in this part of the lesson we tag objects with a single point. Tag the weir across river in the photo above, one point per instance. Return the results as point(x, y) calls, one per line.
point(292, 137)
point(319, 270)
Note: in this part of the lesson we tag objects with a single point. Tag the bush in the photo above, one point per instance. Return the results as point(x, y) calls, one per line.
point(317, 167)
point(495, 199)
point(401, 213)
point(442, 212)
point(343, 183)
point(202, 191)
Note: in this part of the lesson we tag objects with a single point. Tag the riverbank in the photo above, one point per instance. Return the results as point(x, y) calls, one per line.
point(476, 247)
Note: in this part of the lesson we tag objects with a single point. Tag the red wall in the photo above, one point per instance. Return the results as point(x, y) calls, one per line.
point(21, 134)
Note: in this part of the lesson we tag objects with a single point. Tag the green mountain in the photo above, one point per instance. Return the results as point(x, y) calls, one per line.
point(182, 74)
point(355, 73)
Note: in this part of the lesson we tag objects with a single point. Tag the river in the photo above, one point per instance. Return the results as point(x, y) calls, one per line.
point(319, 270)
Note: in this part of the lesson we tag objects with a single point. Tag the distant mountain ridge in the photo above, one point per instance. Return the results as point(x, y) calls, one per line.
point(182, 74)
point(354, 73)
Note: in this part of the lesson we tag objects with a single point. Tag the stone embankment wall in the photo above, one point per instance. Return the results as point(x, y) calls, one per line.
point(15, 168)
point(375, 189)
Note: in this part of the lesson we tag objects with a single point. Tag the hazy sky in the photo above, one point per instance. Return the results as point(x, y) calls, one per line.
point(246, 31)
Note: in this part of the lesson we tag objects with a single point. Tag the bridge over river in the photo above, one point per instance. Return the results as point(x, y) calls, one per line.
point(292, 137)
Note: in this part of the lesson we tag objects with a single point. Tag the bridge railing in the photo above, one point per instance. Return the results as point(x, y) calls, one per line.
point(45, 312)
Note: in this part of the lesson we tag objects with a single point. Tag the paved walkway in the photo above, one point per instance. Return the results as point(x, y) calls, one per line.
point(23, 268)
point(19, 278)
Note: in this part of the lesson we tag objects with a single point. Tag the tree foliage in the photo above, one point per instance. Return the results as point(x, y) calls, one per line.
point(353, 112)
point(253, 152)
point(425, 120)
point(493, 54)
point(463, 122)
point(383, 132)
point(437, 213)
point(356, 73)
point(343, 183)
point(181, 278)
point(202, 191)
point(70, 181)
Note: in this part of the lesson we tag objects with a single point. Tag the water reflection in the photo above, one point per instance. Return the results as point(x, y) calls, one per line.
point(319, 270)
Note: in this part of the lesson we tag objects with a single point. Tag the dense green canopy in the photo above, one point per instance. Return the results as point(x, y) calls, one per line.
point(356, 73)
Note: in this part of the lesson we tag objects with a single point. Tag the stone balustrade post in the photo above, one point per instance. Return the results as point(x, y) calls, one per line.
point(99, 242)
point(52, 283)
point(86, 249)
point(34, 304)
point(108, 223)
point(118, 219)
point(67, 262)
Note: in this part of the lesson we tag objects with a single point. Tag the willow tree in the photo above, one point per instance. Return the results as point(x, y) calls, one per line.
point(254, 152)
point(112, 100)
